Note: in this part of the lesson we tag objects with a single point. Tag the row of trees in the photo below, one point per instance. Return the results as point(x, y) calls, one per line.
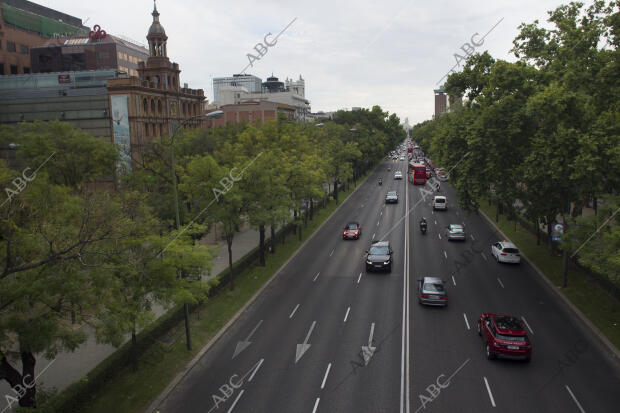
point(71, 255)
point(541, 135)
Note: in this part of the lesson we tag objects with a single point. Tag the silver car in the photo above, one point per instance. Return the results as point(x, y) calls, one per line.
point(455, 232)
point(431, 291)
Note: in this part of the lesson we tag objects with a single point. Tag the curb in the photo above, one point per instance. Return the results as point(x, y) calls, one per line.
point(166, 392)
point(614, 353)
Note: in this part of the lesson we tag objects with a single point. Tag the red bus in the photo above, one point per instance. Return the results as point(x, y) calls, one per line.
point(417, 173)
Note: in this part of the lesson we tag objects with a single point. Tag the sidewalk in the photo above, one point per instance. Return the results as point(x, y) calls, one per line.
point(69, 367)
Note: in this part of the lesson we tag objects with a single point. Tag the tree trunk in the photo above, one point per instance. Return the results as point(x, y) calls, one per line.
point(273, 238)
point(311, 209)
point(229, 240)
point(261, 242)
point(537, 224)
point(23, 386)
point(134, 349)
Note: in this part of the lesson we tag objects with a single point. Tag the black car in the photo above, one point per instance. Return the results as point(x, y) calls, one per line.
point(379, 257)
point(391, 197)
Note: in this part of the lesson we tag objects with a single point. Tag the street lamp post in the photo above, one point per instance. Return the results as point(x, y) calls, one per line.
point(175, 191)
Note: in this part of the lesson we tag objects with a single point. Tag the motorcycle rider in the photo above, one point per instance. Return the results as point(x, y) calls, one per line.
point(423, 224)
point(380, 181)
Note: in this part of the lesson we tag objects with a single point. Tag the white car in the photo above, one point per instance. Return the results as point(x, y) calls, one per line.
point(398, 175)
point(505, 251)
point(440, 202)
point(402, 158)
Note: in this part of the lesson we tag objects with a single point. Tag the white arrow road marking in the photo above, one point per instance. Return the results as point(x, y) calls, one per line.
point(242, 345)
point(303, 347)
point(368, 351)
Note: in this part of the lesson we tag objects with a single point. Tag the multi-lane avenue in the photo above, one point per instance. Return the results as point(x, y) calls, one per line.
point(327, 336)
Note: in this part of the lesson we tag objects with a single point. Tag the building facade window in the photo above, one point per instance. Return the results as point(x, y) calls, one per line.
point(23, 49)
point(145, 106)
point(10, 46)
point(146, 129)
point(13, 69)
point(152, 106)
point(26, 70)
point(159, 106)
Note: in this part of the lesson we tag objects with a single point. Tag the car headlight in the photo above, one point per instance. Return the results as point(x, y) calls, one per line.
point(368, 262)
point(386, 263)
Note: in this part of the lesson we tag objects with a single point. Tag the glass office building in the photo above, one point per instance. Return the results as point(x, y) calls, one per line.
point(252, 83)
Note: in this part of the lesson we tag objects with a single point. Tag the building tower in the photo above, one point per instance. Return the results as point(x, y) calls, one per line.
point(158, 72)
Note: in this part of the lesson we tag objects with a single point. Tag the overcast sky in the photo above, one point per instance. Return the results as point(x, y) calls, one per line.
point(362, 53)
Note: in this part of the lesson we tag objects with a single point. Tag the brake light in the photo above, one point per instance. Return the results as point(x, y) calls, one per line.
point(518, 255)
point(444, 297)
point(424, 296)
point(503, 253)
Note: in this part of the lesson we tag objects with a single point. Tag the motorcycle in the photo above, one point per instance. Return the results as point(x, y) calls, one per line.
point(380, 182)
point(423, 227)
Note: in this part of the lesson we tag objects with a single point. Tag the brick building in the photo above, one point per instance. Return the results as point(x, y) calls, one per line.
point(250, 112)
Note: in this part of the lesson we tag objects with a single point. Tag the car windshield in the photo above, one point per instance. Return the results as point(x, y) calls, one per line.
point(433, 287)
point(352, 226)
point(510, 338)
point(379, 251)
point(511, 250)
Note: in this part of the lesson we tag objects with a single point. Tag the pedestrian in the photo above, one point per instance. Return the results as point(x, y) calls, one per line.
point(437, 186)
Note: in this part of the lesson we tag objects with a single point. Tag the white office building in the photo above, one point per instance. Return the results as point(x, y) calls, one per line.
point(251, 83)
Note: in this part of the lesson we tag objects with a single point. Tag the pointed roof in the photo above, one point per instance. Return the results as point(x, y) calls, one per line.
point(156, 28)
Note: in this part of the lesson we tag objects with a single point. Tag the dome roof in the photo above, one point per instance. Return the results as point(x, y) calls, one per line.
point(156, 28)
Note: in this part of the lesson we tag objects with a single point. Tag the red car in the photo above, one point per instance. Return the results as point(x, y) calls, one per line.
point(353, 230)
point(504, 336)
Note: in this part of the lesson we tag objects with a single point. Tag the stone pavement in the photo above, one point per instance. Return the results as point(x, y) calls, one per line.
point(69, 367)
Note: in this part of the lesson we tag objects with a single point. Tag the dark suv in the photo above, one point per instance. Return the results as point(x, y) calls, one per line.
point(379, 257)
point(504, 336)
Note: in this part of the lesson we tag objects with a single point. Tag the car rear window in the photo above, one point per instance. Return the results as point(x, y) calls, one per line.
point(440, 200)
point(352, 226)
point(438, 288)
point(511, 250)
point(379, 251)
point(510, 338)
point(456, 229)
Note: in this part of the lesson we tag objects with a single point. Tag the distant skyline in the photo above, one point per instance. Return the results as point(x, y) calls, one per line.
point(350, 53)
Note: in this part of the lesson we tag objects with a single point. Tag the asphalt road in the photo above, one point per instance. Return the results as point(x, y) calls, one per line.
point(325, 336)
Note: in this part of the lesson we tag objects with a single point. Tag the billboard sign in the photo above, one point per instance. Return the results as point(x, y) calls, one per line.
point(120, 127)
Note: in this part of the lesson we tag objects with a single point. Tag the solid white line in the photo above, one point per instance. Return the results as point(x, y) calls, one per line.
point(500, 283)
point(472, 237)
point(444, 253)
point(316, 404)
point(331, 253)
point(294, 309)
point(575, 399)
point(454, 282)
point(528, 326)
point(359, 278)
point(489, 390)
point(404, 377)
point(347, 314)
point(484, 256)
point(466, 322)
point(316, 276)
point(329, 366)
point(235, 402)
point(260, 363)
